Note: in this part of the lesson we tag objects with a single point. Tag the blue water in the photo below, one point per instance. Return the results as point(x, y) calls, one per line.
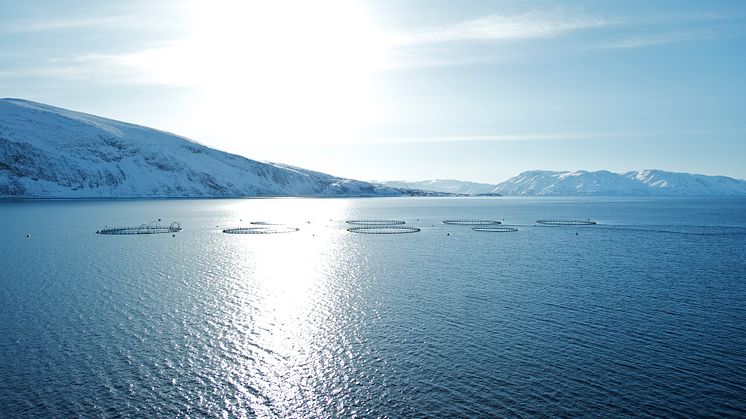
point(641, 315)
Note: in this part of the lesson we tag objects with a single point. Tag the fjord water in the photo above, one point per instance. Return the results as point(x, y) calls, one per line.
point(641, 315)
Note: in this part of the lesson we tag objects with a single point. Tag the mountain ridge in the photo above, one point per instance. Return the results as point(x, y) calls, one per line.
point(51, 152)
point(649, 182)
point(444, 185)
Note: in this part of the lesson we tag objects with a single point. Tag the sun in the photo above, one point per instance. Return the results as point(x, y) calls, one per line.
point(282, 71)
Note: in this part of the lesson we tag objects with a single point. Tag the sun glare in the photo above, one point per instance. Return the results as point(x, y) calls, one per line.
point(285, 71)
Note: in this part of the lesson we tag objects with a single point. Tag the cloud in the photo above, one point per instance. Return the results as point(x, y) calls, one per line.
point(132, 17)
point(94, 70)
point(539, 136)
point(674, 37)
point(61, 24)
point(652, 40)
point(491, 38)
point(495, 27)
point(484, 39)
point(479, 138)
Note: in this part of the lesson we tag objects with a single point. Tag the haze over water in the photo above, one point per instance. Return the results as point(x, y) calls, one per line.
point(640, 315)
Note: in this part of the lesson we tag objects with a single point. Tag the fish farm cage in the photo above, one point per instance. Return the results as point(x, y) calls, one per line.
point(385, 229)
point(497, 229)
point(471, 222)
point(151, 228)
point(274, 229)
point(564, 222)
point(375, 223)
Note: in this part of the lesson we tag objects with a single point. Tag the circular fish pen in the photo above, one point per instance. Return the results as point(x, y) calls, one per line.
point(261, 230)
point(375, 223)
point(151, 228)
point(498, 229)
point(471, 222)
point(565, 222)
point(383, 230)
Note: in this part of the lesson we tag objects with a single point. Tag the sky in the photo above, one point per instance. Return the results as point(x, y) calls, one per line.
point(402, 89)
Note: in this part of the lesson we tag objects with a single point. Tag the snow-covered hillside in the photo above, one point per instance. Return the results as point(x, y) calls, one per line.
point(50, 152)
point(647, 182)
point(450, 186)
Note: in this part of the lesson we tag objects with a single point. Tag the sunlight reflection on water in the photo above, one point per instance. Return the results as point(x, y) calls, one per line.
point(292, 279)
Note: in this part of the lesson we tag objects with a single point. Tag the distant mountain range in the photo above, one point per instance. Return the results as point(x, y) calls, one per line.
point(599, 183)
point(450, 186)
point(49, 152)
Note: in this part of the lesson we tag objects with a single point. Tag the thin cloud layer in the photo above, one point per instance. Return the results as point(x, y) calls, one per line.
point(496, 27)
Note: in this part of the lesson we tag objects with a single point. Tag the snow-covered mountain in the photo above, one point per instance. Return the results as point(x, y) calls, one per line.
point(450, 186)
point(49, 152)
point(583, 183)
point(646, 182)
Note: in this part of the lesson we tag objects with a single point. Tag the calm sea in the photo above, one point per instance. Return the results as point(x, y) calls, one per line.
point(641, 315)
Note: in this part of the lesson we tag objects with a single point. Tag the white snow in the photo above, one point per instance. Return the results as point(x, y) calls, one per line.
point(646, 182)
point(48, 152)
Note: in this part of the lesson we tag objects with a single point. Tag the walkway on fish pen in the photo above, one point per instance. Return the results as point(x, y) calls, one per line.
point(141, 229)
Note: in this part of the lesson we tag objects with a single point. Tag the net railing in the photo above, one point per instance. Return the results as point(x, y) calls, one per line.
point(565, 222)
point(468, 222)
point(383, 230)
point(151, 228)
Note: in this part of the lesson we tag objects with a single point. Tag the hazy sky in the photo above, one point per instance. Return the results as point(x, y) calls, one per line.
point(396, 89)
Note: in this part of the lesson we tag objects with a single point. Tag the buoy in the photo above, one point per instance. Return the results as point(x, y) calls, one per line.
point(28, 236)
point(173, 235)
point(448, 234)
point(159, 220)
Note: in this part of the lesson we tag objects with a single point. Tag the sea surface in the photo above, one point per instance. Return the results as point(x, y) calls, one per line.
point(643, 314)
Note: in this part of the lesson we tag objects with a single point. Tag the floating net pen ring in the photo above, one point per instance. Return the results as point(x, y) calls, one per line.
point(260, 230)
point(499, 229)
point(141, 229)
point(375, 222)
point(561, 222)
point(472, 222)
point(383, 230)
